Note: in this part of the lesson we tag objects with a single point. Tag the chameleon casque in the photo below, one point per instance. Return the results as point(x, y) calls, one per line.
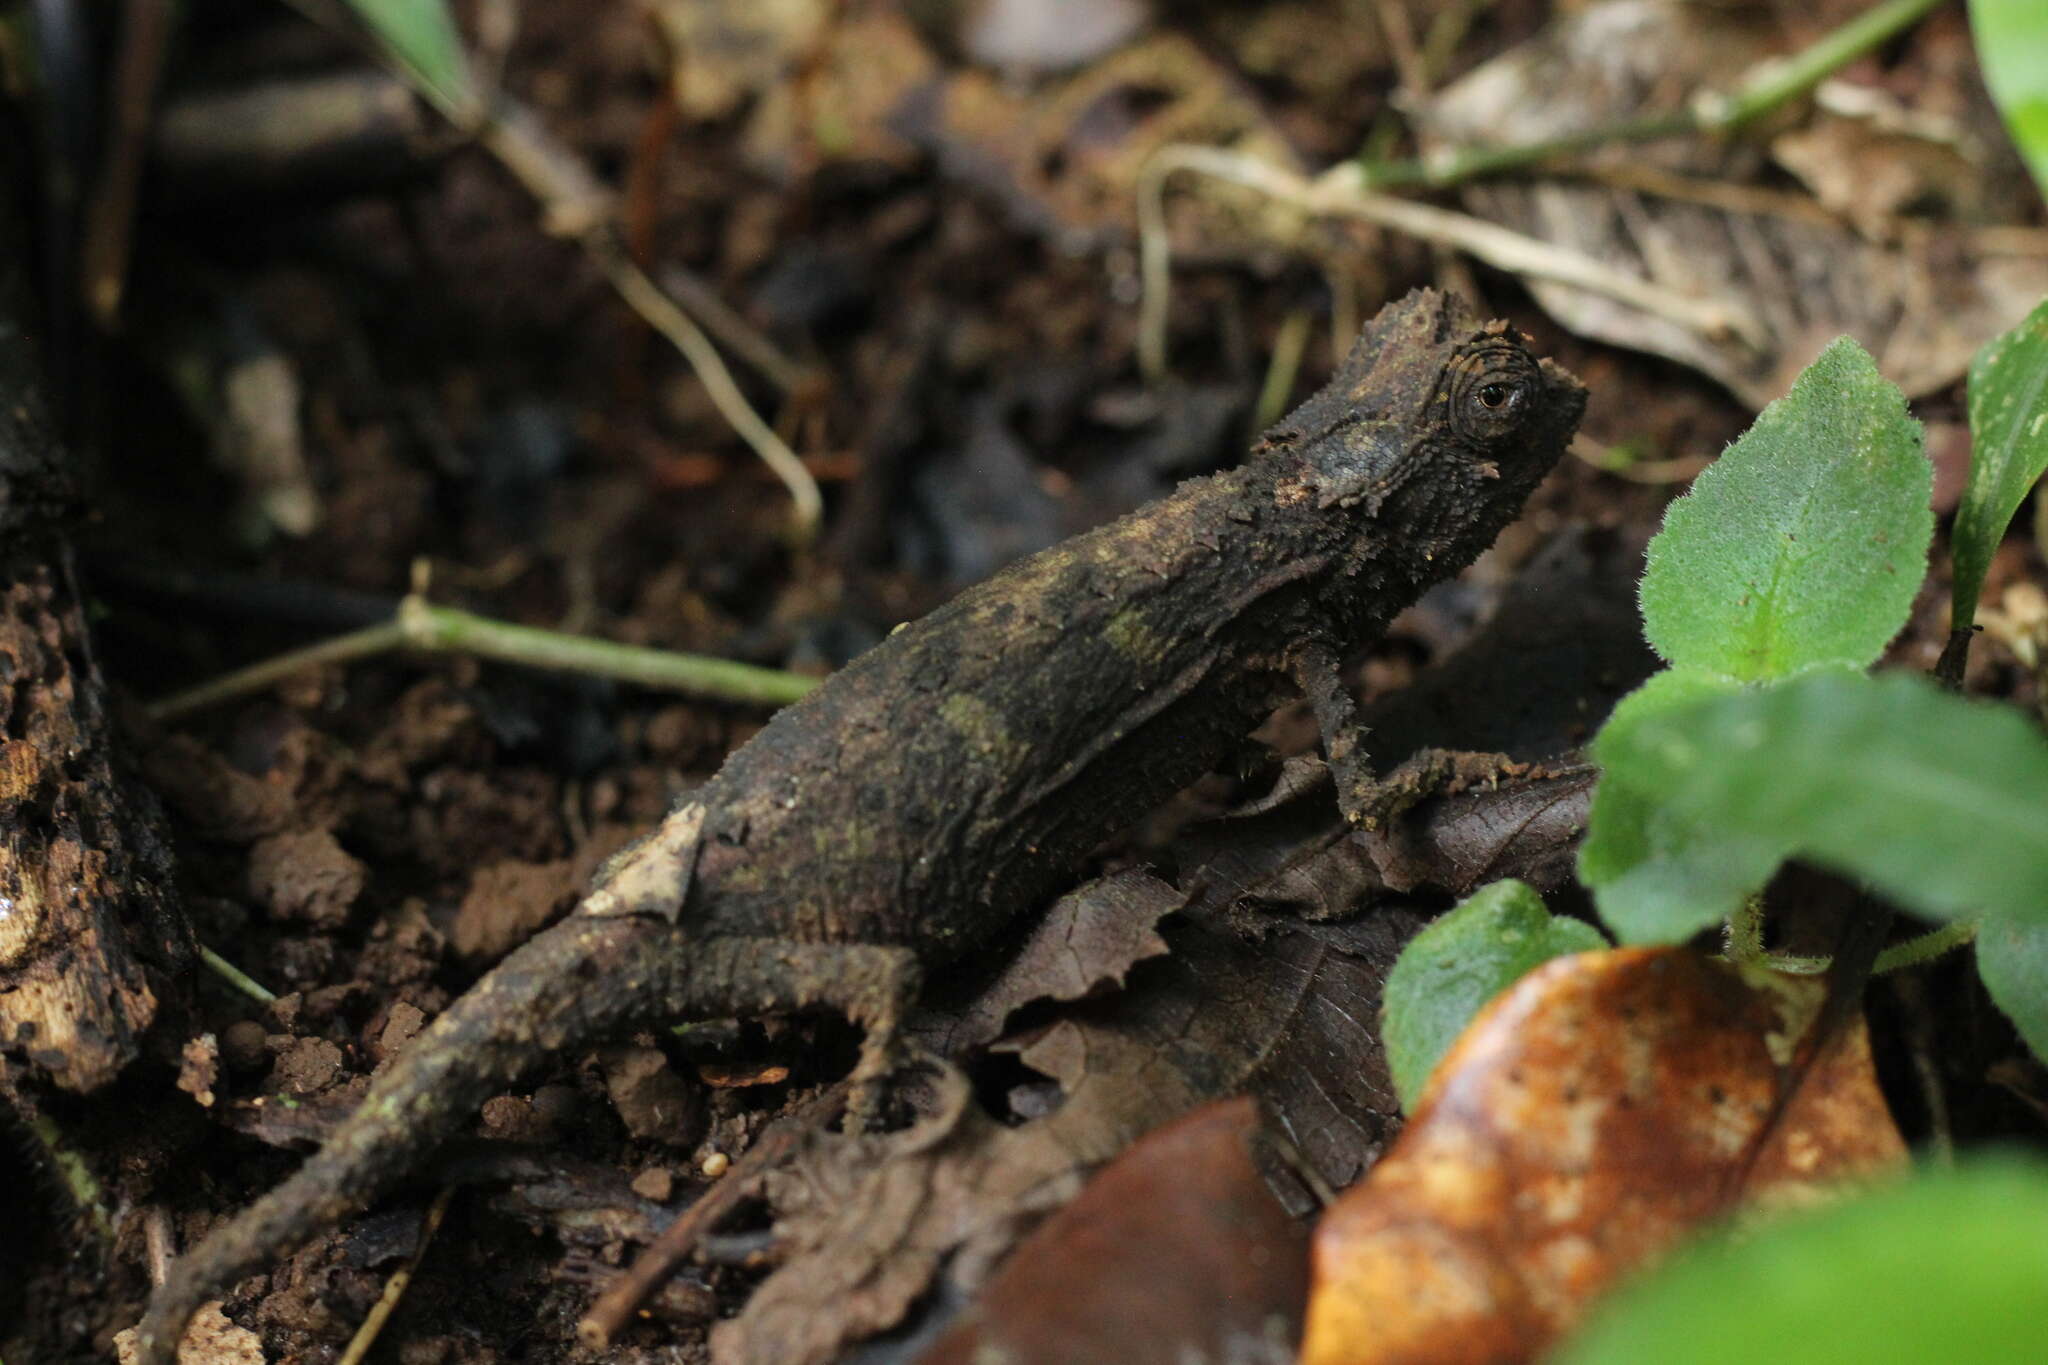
point(950, 779)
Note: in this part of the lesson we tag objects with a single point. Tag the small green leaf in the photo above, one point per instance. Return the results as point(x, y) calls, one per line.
point(1805, 542)
point(2008, 444)
point(1450, 970)
point(421, 37)
point(1936, 800)
point(2012, 957)
point(1656, 877)
point(1948, 1265)
point(2012, 50)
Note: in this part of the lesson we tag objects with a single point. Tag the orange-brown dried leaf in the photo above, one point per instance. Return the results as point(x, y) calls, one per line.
point(1589, 1119)
point(1176, 1251)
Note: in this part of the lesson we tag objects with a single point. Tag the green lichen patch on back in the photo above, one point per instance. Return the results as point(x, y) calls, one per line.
point(982, 729)
point(1131, 635)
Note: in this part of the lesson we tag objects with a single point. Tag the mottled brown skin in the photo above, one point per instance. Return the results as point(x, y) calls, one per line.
point(952, 777)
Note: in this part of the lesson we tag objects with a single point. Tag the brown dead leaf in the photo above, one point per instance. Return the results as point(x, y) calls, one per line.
point(1591, 1117)
point(1283, 1009)
point(1087, 942)
point(1692, 214)
point(1065, 160)
point(1177, 1251)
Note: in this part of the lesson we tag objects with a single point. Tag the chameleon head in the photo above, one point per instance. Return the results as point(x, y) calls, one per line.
point(1435, 419)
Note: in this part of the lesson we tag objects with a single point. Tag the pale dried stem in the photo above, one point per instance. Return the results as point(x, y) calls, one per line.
point(1340, 193)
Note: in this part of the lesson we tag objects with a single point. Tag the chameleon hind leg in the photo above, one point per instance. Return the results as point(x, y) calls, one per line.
point(868, 984)
point(585, 979)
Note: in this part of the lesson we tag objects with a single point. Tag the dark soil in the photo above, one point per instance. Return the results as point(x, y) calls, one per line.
point(482, 415)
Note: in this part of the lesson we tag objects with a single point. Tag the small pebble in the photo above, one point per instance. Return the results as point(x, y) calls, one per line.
point(241, 1044)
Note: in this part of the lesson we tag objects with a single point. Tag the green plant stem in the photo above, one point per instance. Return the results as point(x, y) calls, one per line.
point(79, 1182)
point(359, 644)
point(1282, 368)
point(236, 977)
point(1743, 941)
point(429, 629)
point(1767, 87)
point(1926, 947)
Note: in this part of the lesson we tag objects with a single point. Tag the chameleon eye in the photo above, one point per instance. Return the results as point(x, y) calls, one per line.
point(1491, 394)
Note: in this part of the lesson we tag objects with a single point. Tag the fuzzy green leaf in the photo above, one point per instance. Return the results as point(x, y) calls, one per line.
point(2008, 444)
point(1937, 800)
point(1450, 970)
point(421, 37)
point(2012, 957)
point(2012, 50)
point(1805, 542)
point(1948, 1265)
point(1656, 877)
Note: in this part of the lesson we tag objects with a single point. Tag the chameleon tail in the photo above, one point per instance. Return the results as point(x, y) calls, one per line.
point(578, 980)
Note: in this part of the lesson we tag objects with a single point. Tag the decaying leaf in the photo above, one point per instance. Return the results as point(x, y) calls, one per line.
point(1177, 1251)
point(1066, 160)
point(1594, 1115)
point(1283, 1009)
point(1686, 213)
point(1088, 941)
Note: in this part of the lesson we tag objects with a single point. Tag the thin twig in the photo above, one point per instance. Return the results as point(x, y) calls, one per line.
point(145, 28)
point(1340, 192)
point(423, 627)
point(394, 1289)
point(1767, 87)
point(236, 977)
point(615, 1307)
point(574, 205)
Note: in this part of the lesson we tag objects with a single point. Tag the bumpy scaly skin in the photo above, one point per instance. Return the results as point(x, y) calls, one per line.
point(950, 778)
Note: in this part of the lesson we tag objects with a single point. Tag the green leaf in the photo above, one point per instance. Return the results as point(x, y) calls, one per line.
point(2008, 444)
point(1450, 970)
point(1806, 541)
point(1656, 877)
point(421, 37)
point(1940, 802)
point(2012, 50)
point(2012, 957)
point(1949, 1265)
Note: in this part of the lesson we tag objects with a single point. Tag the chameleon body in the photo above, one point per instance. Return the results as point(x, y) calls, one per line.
point(949, 780)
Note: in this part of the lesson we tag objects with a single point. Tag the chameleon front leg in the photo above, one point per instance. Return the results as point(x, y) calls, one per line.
point(1365, 799)
point(1316, 673)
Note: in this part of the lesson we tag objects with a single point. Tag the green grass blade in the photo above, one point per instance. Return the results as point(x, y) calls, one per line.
point(2012, 50)
point(2008, 445)
point(421, 37)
